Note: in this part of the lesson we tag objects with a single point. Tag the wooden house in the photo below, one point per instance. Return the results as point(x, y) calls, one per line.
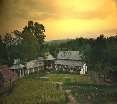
point(69, 61)
point(7, 76)
point(18, 68)
point(34, 65)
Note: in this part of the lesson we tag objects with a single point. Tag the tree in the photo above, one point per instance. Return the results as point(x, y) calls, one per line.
point(32, 40)
point(3, 52)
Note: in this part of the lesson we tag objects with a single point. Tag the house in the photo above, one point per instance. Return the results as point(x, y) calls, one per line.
point(69, 61)
point(18, 68)
point(7, 76)
point(49, 62)
point(34, 65)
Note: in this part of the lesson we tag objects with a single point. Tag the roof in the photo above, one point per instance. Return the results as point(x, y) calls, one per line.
point(40, 58)
point(69, 62)
point(69, 55)
point(8, 74)
point(16, 61)
point(49, 57)
point(17, 66)
point(3, 67)
point(34, 63)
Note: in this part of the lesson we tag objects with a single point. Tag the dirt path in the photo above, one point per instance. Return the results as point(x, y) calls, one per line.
point(71, 98)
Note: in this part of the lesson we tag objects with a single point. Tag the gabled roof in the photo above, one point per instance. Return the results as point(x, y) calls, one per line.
point(68, 62)
point(8, 74)
point(69, 55)
point(34, 63)
point(49, 57)
point(17, 66)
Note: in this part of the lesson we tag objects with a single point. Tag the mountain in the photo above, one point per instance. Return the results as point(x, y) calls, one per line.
point(57, 41)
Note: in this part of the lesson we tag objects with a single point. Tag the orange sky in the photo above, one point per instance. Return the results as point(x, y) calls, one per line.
point(61, 18)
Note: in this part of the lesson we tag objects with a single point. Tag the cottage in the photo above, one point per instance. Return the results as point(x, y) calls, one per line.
point(69, 61)
point(7, 76)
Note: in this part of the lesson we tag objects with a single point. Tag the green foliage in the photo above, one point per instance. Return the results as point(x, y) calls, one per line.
point(32, 40)
point(64, 78)
point(3, 52)
point(24, 45)
point(93, 94)
point(99, 54)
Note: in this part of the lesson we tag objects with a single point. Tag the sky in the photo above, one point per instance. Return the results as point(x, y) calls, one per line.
point(63, 19)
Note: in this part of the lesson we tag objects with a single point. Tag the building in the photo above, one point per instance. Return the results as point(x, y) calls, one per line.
point(49, 62)
point(34, 65)
point(69, 61)
point(7, 77)
point(18, 68)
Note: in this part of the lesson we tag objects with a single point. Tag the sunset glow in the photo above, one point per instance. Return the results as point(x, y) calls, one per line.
point(63, 18)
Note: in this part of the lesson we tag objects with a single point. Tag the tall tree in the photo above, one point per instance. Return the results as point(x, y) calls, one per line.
point(3, 52)
point(32, 40)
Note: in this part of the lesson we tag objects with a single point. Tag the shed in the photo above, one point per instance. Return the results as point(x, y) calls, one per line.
point(8, 77)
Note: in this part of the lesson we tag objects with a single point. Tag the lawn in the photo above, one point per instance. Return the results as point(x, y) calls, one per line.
point(69, 78)
point(33, 91)
point(44, 89)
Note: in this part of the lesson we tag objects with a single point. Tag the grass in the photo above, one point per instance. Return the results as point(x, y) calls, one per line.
point(42, 89)
point(69, 78)
point(31, 91)
point(95, 94)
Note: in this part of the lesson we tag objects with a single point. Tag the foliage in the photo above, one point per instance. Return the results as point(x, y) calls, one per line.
point(99, 54)
point(3, 52)
point(93, 94)
point(24, 45)
point(34, 92)
point(69, 78)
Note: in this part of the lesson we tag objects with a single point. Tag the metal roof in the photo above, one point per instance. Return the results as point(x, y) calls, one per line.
point(49, 57)
point(17, 66)
point(68, 62)
point(69, 55)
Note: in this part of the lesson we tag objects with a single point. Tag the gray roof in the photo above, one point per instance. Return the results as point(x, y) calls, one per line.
point(49, 57)
point(69, 55)
point(40, 58)
point(17, 66)
point(68, 62)
point(34, 63)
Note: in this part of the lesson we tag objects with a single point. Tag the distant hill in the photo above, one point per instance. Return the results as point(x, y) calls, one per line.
point(57, 41)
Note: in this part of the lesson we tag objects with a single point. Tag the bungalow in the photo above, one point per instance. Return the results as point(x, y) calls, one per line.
point(69, 61)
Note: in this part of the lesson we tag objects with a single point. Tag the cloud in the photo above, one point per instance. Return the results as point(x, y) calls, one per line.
point(15, 13)
point(86, 9)
point(58, 14)
point(24, 9)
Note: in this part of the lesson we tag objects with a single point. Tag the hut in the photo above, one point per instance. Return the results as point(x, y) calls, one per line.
point(7, 76)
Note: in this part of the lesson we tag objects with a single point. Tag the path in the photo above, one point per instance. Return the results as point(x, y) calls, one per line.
point(71, 98)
